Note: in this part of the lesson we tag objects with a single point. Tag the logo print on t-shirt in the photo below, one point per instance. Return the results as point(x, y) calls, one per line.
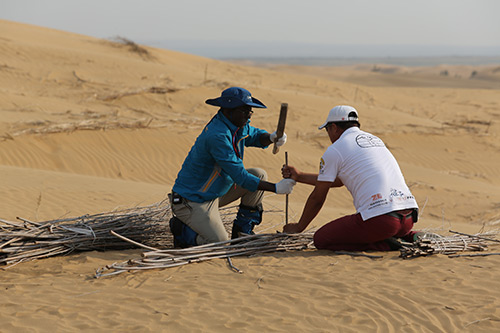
point(321, 166)
point(369, 141)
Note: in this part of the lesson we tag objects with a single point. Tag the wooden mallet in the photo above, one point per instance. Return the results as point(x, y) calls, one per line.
point(279, 131)
point(281, 125)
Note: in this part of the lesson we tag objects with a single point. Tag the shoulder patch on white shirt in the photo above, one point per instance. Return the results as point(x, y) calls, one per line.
point(321, 166)
point(369, 141)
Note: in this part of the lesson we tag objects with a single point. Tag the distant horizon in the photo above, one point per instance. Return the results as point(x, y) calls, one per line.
point(409, 61)
point(308, 53)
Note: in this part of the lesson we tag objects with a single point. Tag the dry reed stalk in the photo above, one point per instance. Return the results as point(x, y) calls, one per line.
point(474, 255)
point(132, 46)
point(147, 90)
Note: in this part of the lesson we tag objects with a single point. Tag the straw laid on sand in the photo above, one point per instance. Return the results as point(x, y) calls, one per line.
point(147, 227)
point(262, 243)
point(247, 245)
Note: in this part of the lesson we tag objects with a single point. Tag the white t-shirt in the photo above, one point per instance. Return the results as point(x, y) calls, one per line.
point(369, 171)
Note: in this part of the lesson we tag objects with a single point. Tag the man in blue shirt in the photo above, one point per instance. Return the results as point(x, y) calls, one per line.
point(213, 174)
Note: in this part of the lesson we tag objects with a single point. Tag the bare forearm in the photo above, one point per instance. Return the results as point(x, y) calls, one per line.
point(289, 171)
point(307, 178)
point(311, 178)
point(313, 205)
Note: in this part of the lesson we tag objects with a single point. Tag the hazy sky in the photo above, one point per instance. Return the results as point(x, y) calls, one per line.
point(268, 23)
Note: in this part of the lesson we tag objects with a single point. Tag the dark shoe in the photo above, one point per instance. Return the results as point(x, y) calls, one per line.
point(237, 232)
point(394, 243)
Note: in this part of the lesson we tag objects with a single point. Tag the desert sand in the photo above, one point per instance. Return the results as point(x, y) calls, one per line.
point(90, 125)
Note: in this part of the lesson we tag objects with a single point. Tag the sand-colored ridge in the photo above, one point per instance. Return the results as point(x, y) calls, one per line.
point(89, 125)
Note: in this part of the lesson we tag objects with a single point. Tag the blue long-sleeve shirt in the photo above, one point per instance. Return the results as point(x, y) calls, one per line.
point(215, 162)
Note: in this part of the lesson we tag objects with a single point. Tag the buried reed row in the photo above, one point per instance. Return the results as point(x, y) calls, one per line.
point(244, 246)
point(147, 227)
point(264, 243)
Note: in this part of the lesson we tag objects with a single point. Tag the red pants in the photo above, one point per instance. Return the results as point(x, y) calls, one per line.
point(351, 233)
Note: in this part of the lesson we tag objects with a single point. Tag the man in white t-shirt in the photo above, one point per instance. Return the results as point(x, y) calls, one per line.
point(385, 207)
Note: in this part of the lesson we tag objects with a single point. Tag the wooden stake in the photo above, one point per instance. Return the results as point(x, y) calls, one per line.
point(286, 197)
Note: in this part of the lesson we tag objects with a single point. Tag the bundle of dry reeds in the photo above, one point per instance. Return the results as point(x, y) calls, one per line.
point(244, 246)
point(27, 240)
point(452, 244)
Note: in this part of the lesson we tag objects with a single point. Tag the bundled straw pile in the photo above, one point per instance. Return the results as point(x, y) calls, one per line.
point(458, 242)
point(28, 240)
point(248, 245)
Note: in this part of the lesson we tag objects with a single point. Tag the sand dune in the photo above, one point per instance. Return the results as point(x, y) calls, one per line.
point(89, 125)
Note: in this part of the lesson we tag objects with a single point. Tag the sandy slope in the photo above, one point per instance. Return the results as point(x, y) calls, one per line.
point(88, 125)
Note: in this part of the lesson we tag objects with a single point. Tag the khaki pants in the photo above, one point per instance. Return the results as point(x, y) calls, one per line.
point(204, 218)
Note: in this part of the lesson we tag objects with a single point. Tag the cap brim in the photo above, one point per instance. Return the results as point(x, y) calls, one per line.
point(323, 126)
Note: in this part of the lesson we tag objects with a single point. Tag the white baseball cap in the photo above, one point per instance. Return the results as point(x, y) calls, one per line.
point(341, 113)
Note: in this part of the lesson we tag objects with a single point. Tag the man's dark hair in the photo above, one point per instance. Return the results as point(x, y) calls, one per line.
point(346, 124)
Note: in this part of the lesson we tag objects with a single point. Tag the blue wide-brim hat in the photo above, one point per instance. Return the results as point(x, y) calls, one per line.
point(235, 96)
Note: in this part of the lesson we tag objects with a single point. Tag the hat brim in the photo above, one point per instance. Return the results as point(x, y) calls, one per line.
point(234, 102)
point(343, 121)
point(323, 126)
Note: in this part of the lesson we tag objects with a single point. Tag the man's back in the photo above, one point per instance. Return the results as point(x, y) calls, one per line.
point(369, 171)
